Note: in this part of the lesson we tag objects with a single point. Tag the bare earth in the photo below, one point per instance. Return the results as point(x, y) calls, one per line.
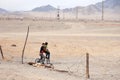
point(69, 41)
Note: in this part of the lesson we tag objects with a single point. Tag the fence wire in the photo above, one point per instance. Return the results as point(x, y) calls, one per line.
point(100, 67)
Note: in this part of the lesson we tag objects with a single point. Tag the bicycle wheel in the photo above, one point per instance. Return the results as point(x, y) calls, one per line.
point(47, 61)
point(37, 60)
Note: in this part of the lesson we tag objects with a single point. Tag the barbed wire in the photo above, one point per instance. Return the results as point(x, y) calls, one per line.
point(76, 66)
point(78, 62)
point(97, 58)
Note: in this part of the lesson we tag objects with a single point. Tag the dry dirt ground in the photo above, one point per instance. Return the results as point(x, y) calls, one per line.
point(69, 41)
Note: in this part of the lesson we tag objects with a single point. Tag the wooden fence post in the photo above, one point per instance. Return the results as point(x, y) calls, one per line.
point(87, 66)
point(25, 44)
point(1, 52)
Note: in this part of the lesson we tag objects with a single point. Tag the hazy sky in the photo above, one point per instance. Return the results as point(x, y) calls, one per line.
point(17, 5)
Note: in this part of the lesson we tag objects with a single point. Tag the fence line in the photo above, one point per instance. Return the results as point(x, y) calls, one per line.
point(78, 67)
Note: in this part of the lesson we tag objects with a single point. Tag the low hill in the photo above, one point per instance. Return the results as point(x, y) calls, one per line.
point(109, 6)
point(46, 8)
point(3, 10)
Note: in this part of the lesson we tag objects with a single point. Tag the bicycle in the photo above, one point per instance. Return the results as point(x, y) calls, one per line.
point(39, 60)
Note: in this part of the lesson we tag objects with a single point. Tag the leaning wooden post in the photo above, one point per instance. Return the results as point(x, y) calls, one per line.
point(25, 44)
point(87, 66)
point(1, 52)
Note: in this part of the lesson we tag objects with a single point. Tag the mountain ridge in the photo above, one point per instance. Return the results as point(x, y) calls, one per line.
point(3, 10)
point(109, 5)
point(44, 8)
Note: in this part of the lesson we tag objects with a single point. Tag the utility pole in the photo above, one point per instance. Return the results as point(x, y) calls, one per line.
point(58, 13)
point(102, 10)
